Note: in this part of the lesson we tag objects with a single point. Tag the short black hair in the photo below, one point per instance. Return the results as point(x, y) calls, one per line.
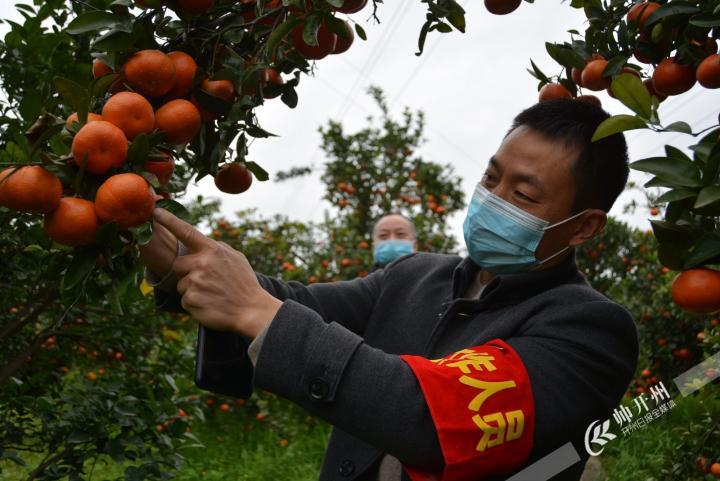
point(601, 169)
point(377, 219)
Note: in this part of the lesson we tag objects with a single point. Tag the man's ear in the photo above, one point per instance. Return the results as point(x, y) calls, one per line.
point(594, 222)
point(415, 245)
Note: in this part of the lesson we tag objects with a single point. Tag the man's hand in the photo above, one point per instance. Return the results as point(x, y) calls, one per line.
point(217, 284)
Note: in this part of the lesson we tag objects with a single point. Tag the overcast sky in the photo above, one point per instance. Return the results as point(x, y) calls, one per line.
point(470, 86)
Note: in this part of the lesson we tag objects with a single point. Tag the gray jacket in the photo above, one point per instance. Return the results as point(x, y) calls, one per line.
point(333, 348)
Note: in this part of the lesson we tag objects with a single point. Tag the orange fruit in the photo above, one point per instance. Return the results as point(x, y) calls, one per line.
point(697, 290)
point(185, 69)
point(671, 78)
point(131, 112)
point(502, 7)
point(150, 72)
point(715, 470)
point(73, 223)
point(195, 7)
point(651, 88)
point(271, 76)
point(233, 178)
point(576, 75)
point(326, 42)
point(553, 91)
point(346, 40)
point(90, 118)
point(179, 119)
point(100, 69)
point(708, 72)
point(225, 407)
point(162, 168)
point(591, 99)
point(222, 89)
point(351, 6)
point(30, 189)
point(126, 199)
point(640, 12)
point(103, 144)
point(91, 376)
point(592, 75)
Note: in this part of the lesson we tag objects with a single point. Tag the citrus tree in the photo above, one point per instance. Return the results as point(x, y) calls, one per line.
point(641, 53)
point(368, 173)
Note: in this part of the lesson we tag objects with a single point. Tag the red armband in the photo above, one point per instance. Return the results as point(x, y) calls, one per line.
point(482, 406)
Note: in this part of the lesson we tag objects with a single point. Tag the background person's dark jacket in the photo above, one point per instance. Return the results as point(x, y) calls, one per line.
point(339, 356)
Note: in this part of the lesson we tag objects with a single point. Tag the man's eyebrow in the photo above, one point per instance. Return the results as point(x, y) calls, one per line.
point(527, 178)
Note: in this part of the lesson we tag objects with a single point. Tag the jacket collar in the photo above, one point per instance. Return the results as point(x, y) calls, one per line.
point(521, 285)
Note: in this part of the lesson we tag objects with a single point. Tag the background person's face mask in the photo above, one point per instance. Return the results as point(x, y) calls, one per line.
point(388, 250)
point(502, 238)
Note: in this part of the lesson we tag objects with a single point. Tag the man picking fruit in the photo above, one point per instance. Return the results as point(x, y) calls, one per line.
point(438, 367)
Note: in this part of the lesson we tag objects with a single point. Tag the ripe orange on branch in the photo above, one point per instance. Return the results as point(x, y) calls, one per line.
point(553, 91)
point(185, 69)
point(179, 119)
point(326, 41)
point(126, 199)
point(344, 40)
point(131, 112)
point(672, 78)
point(73, 223)
point(640, 12)
point(697, 290)
point(150, 72)
point(592, 75)
point(30, 189)
point(502, 7)
point(162, 168)
point(90, 118)
point(103, 144)
point(222, 89)
point(233, 178)
point(708, 72)
point(271, 76)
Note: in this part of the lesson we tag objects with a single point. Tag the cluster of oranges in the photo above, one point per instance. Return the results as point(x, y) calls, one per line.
point(709, 466)
point(670, 76)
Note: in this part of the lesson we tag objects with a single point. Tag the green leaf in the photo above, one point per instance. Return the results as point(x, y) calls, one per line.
point(669, 233)
point(100, 86)
point(538, 74)
point(290, 98)
point(564, 55)
point(80, 267)
point(706, 251)
point(680, 173)
point(616, 124)
point(115, 41)
point(360, 31)
point(259, 173)
point(615, 66)
point(257, 132)
point(630, 90)
point(142, 233)
point(705, 20)
point(671, 256)
point(456, 17)
point(310, 30)
point(175, 208)
point(671, 9)
point(708, 195)
point(280, 32)
point(139, 150)
point(679, 126)
point(74, 95)
point(676, 194)
point(91, 21)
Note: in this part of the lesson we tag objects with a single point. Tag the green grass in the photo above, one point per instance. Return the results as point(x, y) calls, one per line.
point(286, 445)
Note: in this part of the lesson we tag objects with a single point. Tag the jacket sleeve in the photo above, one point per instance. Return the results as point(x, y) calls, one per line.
point(542, 387)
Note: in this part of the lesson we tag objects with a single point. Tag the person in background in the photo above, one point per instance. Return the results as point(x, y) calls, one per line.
point(393, 236)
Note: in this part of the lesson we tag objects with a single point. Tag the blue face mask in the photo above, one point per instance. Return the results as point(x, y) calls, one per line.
point(502, 238)
point(387, 251)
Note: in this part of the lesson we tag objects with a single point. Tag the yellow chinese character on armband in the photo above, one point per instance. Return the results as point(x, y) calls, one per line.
point(507, 426)
point(467, 358)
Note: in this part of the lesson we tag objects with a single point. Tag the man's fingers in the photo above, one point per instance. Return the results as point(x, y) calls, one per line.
point(192, 238)
point(183, 265)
